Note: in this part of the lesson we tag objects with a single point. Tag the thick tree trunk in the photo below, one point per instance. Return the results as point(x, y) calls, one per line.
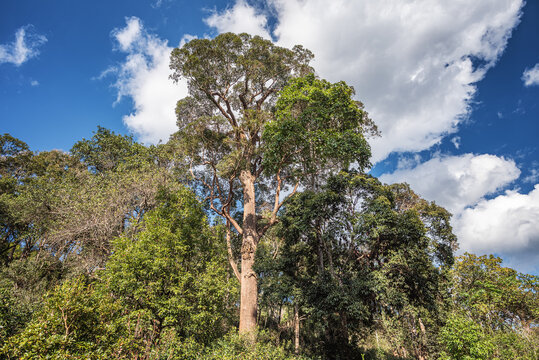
point(249, 285)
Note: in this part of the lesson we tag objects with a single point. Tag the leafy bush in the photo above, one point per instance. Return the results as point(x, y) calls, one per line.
point(73, 323)
point(237, 347)
point(465, 340)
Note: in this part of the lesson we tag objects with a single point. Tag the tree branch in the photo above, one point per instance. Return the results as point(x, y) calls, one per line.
point(224, 212)
point(230, 254)
point(277, 205)
point(232, 119)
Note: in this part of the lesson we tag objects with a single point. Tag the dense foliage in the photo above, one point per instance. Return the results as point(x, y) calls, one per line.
point(116, 250)
point(353, 261)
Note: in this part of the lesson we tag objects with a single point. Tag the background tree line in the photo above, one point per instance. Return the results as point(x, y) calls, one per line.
point(257, 214)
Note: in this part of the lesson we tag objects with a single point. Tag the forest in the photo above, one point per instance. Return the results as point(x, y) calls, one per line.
point(254, 232)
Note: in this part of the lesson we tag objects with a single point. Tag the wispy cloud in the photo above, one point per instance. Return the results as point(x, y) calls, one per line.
point(24, 47)
point(157, 3)
point(533, 175)
point(531, 76)
point(456, 141)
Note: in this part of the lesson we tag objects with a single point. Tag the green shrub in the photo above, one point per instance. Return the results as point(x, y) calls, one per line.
point(236, 347)
point(72, 324)
point(465, 340)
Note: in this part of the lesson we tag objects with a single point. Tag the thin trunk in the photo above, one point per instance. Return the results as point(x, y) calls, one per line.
point(296, 328)
point(249, 286)
point(344, 327)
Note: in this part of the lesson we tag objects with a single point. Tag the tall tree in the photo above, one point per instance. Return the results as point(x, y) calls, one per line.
point(257, 119)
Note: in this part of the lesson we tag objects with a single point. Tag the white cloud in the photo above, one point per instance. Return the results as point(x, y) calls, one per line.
point(157, 3)
point(238, 19)
point(409, 61)
point(456, 141)
point(531, 76)
point(130, 35)
point(532, 177)
point(506, 224)
point(456, 182)
point(25, 46)
point(34, 83)
point(144, 77)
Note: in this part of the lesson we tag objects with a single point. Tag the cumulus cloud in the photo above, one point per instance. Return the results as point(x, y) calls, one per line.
point(144, 77)
point(456, 182)
point(25, 46)
point(413, 64)
point(531, 76)
point(240, 18)
point(506, 224)
point(130, 35)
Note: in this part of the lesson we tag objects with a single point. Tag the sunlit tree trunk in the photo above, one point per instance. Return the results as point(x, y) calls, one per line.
point(249, 287)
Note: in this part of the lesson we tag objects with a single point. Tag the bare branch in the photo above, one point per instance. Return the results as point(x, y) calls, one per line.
point(231, 119)
point(237, 226)
point(277, 204)
point(269, 91)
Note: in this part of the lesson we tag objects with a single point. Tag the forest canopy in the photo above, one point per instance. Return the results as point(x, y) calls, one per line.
point(255, 232)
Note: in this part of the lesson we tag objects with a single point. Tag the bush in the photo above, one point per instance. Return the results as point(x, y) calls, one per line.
point(236, 347)
point(465, 340)
point(73, 323)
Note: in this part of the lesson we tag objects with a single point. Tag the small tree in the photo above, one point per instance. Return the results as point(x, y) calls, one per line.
point(257, 119)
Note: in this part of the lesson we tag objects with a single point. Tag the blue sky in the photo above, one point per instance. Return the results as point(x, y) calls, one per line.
point(454, 87)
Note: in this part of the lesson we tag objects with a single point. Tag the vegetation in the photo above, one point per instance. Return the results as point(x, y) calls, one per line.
point(257, 215)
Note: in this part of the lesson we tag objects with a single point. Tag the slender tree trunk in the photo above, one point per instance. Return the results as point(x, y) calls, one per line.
point(296, 328)
point(249, 286)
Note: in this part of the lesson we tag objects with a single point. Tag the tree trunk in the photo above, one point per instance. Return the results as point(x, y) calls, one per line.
point(249, 286)
point(296, 328)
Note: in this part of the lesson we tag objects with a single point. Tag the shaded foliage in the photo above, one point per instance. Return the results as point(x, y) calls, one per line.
point(353, 257)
